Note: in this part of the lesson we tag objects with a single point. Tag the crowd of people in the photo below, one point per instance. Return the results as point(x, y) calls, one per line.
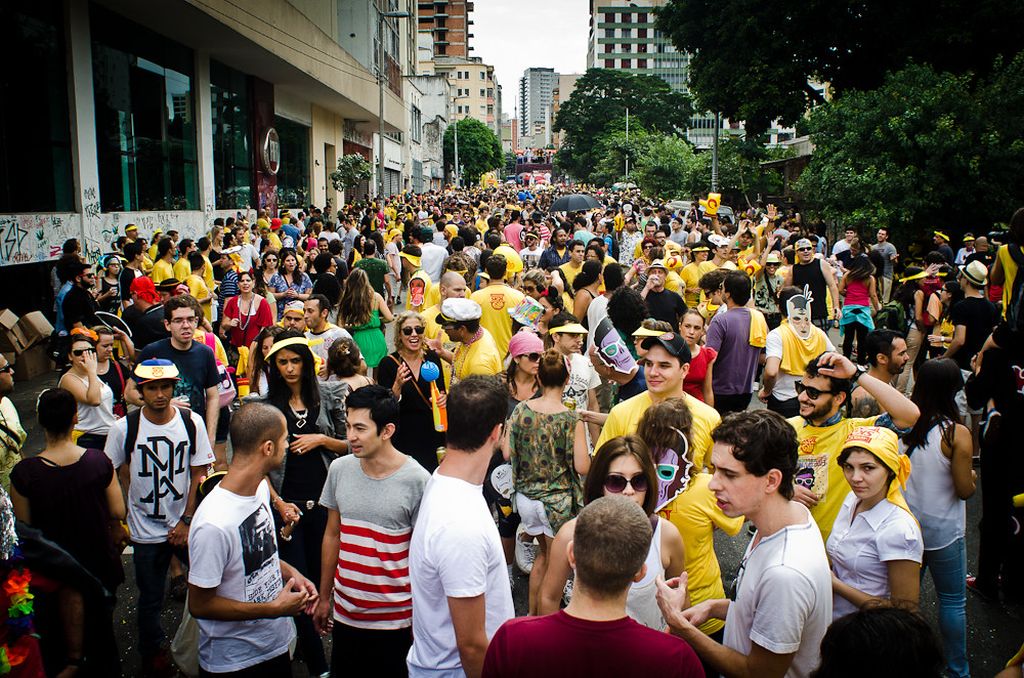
point(371, 425)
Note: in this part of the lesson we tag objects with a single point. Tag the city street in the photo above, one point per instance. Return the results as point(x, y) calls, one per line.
point(994, 631)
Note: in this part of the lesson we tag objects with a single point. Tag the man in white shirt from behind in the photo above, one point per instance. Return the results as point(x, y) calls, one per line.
point(783, 591)
point(235, 579)
point(460, 584)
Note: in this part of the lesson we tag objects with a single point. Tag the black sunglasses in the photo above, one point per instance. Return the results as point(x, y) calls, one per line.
point(811, 392)
point(532, 357)
point(408, 331)
point(79, 352)
point(616, 484)
point(9, 367)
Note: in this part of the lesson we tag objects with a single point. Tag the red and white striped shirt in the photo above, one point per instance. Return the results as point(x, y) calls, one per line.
point(371, 583)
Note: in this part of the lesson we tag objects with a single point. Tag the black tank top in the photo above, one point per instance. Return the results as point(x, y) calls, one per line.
point(811, 276)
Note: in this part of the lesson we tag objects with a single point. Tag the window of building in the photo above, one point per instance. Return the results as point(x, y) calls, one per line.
point(641, 63)
point(483, 93)
point(609, 17)
point(609, 63)
point(641, 32)
point(415, 125)
point(145, 126)
point(465, 75)
point(626, 47)
point(35, 142)
point(483, 75)
point(490, 92)
point(641, 18)
point(232, 137)
point(490, 109)
point(293, 175)
point(642, 48)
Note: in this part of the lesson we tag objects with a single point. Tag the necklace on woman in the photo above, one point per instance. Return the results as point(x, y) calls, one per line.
point(246, 314)
point(300, 416)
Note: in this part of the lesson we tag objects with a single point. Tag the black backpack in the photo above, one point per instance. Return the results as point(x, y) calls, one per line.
point(1015, 308)
point(133, 432)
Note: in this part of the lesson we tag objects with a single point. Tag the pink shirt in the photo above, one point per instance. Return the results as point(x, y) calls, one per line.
point(857, 293)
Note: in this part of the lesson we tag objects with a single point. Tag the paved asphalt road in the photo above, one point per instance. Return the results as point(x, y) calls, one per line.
point(994, 631)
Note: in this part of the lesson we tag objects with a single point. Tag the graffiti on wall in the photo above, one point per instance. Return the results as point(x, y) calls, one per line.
point(27, 238)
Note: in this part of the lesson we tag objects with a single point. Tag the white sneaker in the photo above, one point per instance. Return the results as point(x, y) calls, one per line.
point(526, 551)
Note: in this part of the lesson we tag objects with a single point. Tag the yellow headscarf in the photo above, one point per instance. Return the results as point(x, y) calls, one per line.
point(884, 444)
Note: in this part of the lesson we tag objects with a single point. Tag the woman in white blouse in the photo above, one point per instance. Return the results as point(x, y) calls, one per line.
point(876, 545)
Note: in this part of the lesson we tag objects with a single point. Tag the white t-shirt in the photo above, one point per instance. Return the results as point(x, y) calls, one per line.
point(320, 344)
point(784, 597)
point(531, 257)
point(432, 260)
point(160, 473)
point(785, 383)
point(861, 548)
point(455, 552)
point(233, 549)
point(840, 247)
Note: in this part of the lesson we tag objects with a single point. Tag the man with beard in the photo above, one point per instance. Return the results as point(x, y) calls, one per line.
point(79, 306)
point(887, 356)
point(822, 429)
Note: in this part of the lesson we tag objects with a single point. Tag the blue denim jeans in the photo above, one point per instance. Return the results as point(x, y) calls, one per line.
point(949, 574)
point(151, 564)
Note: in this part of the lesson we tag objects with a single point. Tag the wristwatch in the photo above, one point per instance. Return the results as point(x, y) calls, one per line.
point(861, 371)
point(187, 520)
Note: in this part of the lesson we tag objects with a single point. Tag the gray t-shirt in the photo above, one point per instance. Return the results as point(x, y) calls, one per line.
point(371, 588)
point(887, 250)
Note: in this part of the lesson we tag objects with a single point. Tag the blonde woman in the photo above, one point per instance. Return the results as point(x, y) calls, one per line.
point(361, 312)
point(401, 371)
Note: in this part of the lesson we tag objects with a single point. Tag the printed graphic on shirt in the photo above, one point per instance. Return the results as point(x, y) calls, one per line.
point(161, 463)
point(259, 551)
point(812, 473)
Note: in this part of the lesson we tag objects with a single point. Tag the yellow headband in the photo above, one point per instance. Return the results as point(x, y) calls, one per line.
point(288, 343)
point(571, 328)
point(884, 444)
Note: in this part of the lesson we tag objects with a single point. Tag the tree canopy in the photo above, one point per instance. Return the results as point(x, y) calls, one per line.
point(925, 150)
point(352, 169)
point(752, 59)
point(598, 104)
point(479, 149)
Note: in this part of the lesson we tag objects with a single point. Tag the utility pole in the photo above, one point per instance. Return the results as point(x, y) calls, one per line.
point(458, 176)
point(627, 144)
point(714, 154)
point(380, 86)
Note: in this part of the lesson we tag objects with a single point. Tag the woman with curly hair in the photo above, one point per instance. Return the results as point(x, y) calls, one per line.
point(361, 311)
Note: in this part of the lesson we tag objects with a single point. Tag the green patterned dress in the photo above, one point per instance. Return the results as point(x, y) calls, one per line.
point(541, 448)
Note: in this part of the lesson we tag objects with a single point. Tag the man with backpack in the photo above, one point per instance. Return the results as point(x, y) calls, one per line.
point(196, 387)
point(160, 455)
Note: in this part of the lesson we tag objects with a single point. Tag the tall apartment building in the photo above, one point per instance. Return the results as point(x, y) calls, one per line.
point(475, 92)
point(563, 90)
point(448, 24)
point(623, 36)
point(536, 104)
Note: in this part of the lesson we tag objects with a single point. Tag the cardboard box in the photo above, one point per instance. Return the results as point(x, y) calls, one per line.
point(12, 338)
point(32, 363)
point(36, 327)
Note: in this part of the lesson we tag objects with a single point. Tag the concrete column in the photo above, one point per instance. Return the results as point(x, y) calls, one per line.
point(204, 134)
point(83, 124)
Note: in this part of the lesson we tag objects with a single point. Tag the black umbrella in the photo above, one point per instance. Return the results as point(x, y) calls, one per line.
point(577, 202)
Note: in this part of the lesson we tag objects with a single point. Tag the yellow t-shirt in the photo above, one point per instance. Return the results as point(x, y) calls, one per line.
point(673, 282)
point(568, 274)
point(819, 449)
point(696, 514)
point(480, 357)
point(198, 289)
point(274, 240)
point(208, 274)
point(481, 225)
point(495, 300)
point(182, 270)
point(690, 276)
point(147, 264)
point(161, 271)
point(625, 417)
point(1010, 273)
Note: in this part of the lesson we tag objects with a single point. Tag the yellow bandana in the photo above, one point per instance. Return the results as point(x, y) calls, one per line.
point(797, 353)
point(884, 444)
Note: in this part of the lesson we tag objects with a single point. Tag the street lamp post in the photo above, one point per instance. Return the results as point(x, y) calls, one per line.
point(458, 175)
point(714, 154)
point(380, 82)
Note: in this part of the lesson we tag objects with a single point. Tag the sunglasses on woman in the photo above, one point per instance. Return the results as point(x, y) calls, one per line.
point(616, 484)
point(408, 331)
point(532, 357)
point(79, 352)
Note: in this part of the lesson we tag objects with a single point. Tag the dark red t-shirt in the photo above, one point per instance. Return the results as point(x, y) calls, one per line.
point(559, 645)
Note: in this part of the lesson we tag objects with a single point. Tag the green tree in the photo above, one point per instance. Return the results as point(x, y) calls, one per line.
point(352, 169)
point(740, 175)
point(752, 59)
point(479, 149)
point(666, 167)
point(610, 151)
point(598, 104)
point(926, 150)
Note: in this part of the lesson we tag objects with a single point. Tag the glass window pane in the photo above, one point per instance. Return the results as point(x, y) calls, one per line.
point(145, 129)
point(232, 138)
point(293, 176)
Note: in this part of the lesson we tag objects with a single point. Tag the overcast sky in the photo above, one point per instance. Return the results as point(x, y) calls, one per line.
point(513, 35)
